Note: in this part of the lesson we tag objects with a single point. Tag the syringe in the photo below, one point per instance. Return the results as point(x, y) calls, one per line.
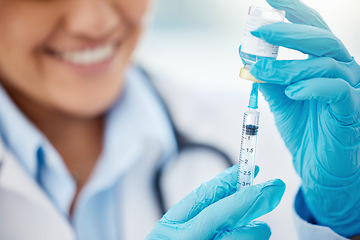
point(254, 49)
point(248, 141)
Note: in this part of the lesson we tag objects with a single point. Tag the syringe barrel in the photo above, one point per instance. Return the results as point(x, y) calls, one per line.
point(248, 148)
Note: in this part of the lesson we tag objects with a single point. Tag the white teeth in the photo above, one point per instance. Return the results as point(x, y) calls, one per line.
point(88, 56)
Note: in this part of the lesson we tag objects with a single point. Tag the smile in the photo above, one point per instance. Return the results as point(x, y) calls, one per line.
point(88, 56)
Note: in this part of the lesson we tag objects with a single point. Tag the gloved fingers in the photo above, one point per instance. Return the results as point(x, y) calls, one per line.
point(306, 39)
point(281, 105)
point(298, 12)
point(285, 113)
point(239, 208)
point(255, 230)
point(207, 193)
point(342, 98)
point(275, 95)
point(287, 72)
point(221, 186)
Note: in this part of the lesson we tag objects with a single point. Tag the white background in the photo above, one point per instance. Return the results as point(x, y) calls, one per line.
point(195, 42)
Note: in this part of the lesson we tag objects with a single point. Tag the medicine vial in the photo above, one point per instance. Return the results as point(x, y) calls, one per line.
point(253, 49)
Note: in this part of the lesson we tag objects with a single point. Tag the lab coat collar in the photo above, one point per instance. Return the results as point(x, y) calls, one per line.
point(24, 140)
point(19, 133)
point(15, 182)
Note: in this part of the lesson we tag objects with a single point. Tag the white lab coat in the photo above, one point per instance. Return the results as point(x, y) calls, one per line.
point(27, 213)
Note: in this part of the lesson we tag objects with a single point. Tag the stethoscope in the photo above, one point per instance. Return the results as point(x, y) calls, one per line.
point(183, 144)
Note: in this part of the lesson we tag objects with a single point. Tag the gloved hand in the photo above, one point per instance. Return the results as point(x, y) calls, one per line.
point(216, 210)
point(316, 105)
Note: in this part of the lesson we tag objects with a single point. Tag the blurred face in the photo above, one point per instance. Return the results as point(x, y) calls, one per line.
point(68, 55)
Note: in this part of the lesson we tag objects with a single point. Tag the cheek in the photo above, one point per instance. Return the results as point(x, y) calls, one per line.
point(23, 29)
point(133, 11)
point(26, 25)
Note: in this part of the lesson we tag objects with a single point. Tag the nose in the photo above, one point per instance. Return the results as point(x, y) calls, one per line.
point(92, 19)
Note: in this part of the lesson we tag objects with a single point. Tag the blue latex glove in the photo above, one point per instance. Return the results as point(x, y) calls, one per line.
point(216, 210)
point(316, 105)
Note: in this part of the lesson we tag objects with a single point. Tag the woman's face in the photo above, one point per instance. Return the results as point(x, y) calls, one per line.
point(68, 55)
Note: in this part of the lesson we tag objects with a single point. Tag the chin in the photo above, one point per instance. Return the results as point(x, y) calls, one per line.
point(89, 105)
point(87, 110)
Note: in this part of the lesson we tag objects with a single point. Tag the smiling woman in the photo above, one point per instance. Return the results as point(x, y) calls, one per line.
point(63, 64)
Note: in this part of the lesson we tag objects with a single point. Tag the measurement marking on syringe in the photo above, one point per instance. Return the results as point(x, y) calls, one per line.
point(248, 148)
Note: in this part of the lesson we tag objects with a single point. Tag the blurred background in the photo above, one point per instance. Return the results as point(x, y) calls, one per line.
point(194, 43)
